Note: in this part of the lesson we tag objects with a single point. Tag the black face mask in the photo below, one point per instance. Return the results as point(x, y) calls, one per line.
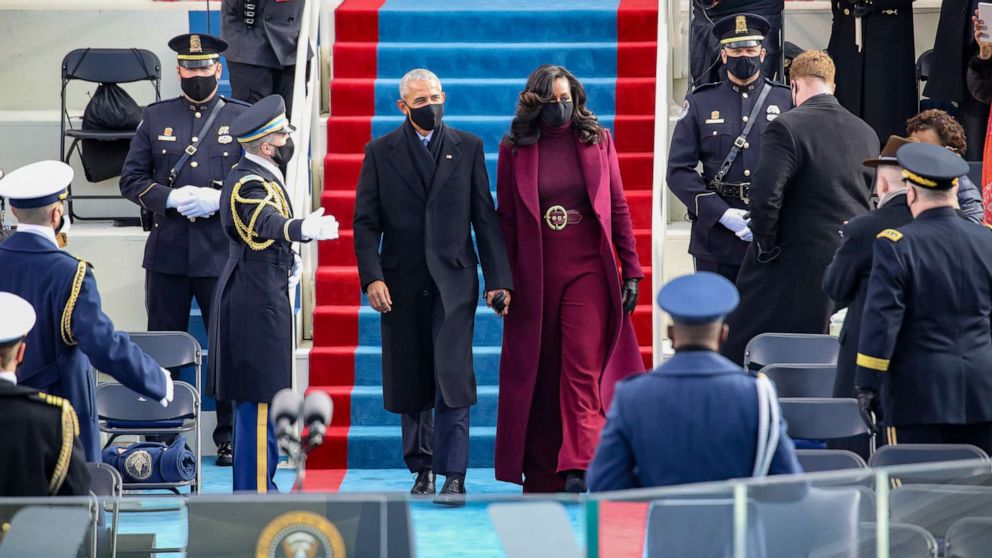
point(200, 87)
point(557, 115)
point(427, 117)
point(743, 67)
point(284, 152)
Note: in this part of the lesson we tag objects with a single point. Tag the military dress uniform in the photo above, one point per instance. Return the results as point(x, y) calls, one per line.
point(72, 335)
point(696, 417)
point(713, 117)
point(183, 256)
point(43, 456)
point(925, 333)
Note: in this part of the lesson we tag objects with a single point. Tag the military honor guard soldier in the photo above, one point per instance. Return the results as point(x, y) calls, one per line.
point(40, 437)
point(72, 335)
point(925, 346)
point(251, 332)
point(720, 127)
point(179, 158)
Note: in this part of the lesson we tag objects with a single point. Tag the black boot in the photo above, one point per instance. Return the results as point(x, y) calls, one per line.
point(424, 485)
point(453, 492)
point(225, 455)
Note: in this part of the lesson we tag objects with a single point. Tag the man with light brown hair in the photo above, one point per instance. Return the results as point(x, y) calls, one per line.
point(809, 182)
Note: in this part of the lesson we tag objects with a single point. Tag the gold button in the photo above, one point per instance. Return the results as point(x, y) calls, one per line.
point(194, 164)
point(744, 119)
point(195, 139)
point(747, 173)
point(744, 95)
point(197, 115)
point(847, 12)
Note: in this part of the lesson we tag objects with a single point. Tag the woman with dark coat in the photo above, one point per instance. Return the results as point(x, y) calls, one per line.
point(568, 337)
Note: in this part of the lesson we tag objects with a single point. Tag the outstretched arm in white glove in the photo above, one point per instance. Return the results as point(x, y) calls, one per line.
point(169, 389)
point(318, 226)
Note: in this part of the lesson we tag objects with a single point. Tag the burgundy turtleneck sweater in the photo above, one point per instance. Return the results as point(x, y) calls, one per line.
point(559, 172)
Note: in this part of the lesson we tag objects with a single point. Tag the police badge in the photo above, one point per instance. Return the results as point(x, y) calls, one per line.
point(772, 112)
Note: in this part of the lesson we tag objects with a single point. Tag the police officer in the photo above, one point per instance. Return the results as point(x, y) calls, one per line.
point(251, 335)
point(40, 434)
point(178, 160)
point(720, 127)
point(696, 418)
point(925, 341)
point(73, 335)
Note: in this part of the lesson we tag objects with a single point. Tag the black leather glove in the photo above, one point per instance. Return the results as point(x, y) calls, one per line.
point(861, 9)
point(868, 405)
point(629, 298)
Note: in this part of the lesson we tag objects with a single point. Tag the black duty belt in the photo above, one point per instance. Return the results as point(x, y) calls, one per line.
point(738, 191)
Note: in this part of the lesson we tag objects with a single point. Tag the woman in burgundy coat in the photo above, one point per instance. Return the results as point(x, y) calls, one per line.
point(568, 338)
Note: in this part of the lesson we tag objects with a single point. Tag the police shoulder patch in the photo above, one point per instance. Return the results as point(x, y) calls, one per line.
point(685, 109)
point(891, 234)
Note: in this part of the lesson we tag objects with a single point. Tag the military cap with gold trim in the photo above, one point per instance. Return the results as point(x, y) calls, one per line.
point(195, 50)
point(930, 166)
point(37, 185)
point(741, 30)
point(268, 116)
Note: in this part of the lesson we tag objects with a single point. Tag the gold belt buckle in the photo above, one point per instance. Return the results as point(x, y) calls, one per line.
point(556, 217)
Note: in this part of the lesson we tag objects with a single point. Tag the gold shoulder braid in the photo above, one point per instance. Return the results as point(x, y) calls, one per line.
point(70, 305)
point(273, 198)
point(70, 429)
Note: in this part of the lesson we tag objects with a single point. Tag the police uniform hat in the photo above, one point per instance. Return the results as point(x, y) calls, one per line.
point(265, 117)
point(930, 166)
point(741, 30)
point(888, 154)
point(700, 298)
point(18, 318)
point(196, 50)
point(37, 185)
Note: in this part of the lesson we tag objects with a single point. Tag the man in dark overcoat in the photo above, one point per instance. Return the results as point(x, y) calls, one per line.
point(251, 334)
point(422, 190)
point(846, 278)
point(873, 46)
point(809, 182)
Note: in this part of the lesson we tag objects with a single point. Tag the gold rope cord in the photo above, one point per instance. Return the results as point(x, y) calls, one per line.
point(273, 198)
point(77, 285)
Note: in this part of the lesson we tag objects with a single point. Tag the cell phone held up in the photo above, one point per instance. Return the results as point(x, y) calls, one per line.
point(985, 15)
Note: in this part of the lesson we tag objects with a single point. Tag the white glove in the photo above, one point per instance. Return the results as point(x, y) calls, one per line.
point(745, 234)
point(734, 219)
point(201, 203)
point(317, 226)
point(294, 276)
point(169, 389)
point(178, 195)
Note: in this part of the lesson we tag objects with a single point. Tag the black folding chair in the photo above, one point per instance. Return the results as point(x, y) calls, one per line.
point(911, 454)
point(937, 507)
point(123, 412)
point(819, 460)
point(171, 349)
point(49, 531)
point(970, 537)
point(702, 528)
point(802, 380)
point(105, 66)
point(106, 482)
point(790, 348)
point(821, 418)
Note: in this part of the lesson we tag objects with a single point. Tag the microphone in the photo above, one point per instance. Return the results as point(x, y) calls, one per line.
point(317, 411)
point(286, 408)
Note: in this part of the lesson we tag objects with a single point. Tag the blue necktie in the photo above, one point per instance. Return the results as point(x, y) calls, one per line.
point(426, 142)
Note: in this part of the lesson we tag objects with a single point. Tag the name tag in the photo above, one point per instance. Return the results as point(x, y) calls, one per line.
point(167, 138)
point(714, 121)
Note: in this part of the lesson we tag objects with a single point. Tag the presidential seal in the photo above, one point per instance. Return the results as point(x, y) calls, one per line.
point(139, 465)
point(300, 535)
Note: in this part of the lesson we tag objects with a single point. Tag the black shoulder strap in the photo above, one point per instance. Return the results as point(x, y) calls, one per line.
point(742, 139)
point(191, 148)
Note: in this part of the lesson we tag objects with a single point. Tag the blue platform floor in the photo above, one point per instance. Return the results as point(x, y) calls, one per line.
point(438, 532)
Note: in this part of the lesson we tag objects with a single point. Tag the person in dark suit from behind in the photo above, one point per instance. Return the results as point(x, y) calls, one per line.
point(846, 278)
point(40, 435)
point(697, 417)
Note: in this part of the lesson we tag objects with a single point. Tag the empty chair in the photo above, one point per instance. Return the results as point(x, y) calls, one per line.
point(53, 532)
point(802, 380)
point(817, 461)
point(171, 349)
point(106, 482)
point(909, 454)
point(699, 528)
point(534, 530)
point(905, 541)
point(790, 348)
point(936, 507)
point(817, 520)
point(970, 537)
point(821, 418)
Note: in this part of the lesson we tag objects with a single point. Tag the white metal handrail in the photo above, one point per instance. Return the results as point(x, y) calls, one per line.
point(667, 41)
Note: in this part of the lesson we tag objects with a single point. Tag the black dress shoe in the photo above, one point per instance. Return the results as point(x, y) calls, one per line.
point(424, 485)
point(575, 482)
point(225, 456)
point(453, 492)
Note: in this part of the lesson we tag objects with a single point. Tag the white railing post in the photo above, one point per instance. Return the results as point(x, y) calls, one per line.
point(659, 197)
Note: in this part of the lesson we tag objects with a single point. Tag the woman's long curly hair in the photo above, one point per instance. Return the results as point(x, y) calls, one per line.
point(526, 126)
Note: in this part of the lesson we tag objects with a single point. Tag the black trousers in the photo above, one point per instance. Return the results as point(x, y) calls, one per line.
point(168, 299)
point(977, 434)
point(250, 83)
point(728, 271)
point(437, 438)
point(705, 65)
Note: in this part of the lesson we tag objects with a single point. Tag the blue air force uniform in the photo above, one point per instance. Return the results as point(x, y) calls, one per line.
point(713, 117)
point(925, 337)
point(695, 418)
point(72, 335)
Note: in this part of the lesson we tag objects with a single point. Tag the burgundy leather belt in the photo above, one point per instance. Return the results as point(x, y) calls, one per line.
point(557, 217)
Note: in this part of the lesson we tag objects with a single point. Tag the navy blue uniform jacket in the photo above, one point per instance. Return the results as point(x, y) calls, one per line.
point(693, 419)
point(925, 335)
point(72, 334)
point(175, 244)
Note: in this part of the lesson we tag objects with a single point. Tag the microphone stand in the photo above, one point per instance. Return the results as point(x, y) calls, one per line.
point(298, 450)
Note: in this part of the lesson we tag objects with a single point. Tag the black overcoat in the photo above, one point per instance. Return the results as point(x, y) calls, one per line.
point(251, 332)
point(810, 181)
point(426, 240)
point(877, 83)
